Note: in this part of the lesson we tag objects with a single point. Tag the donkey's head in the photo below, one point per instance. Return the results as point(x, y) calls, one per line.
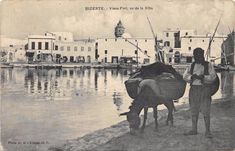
point(134, 121)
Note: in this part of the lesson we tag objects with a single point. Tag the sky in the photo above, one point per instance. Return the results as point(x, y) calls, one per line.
point(20, 18)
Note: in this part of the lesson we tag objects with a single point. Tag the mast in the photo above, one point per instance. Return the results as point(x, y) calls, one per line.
point(159, 55)
point(211, 39)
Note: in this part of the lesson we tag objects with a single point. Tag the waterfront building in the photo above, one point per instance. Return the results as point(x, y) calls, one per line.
point(229, 49)
point(125, 49)
point(12, 50)
point(60, 47)
point(40, 48)
point(179, 45)
point(13, 53)
point(189, 43)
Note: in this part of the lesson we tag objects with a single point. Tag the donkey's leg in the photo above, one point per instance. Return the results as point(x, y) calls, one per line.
point(145, 118)
point(170, 107)
point(155, 117)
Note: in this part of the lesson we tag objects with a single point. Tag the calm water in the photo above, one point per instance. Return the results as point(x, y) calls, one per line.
point(46, 107)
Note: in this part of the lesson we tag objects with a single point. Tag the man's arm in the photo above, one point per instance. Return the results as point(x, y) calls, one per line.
point(212, 74)
point(187, 75)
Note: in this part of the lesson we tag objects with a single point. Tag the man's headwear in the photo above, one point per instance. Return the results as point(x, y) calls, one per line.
point(198, 52)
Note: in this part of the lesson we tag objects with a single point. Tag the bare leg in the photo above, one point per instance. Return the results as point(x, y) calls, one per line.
point(194, 125)
point(145, 118)
point(155, 117)
point(169, 106)
point(207, 124)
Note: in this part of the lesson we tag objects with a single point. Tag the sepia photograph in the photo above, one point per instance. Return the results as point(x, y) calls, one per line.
point(117, 75)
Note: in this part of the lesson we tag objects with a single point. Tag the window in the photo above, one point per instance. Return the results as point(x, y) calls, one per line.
point(56, 47)
point(39, 45)
point(68, 48)
point(146, 40)
point(190, 40)
point(82, 48)
point(59, 37)
point(89, 48)
point(145, 52)
point(170, 60)
point(166, 43)
point(46, 46)
point(75, 48)
point(202, 40)
point(62, 48)
point(167, 34)
point(115, 39)
point(135, 40)
point(106, 52)
point(33, 45)
point(189, 48)
point(105, 39)
point(186, 33)
point(65, 38)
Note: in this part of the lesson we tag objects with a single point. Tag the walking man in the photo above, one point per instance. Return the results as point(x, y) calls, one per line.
point(200, 75)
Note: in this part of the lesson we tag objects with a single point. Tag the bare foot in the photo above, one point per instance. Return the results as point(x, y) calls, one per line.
point(208, 135)
point(190, 133)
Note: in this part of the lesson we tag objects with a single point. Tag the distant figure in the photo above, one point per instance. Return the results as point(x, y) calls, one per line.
point(200, 74)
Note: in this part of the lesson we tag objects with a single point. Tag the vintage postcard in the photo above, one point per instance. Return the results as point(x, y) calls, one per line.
point(81, 75)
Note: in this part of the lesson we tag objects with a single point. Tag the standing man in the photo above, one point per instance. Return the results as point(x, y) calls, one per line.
point(200, 74)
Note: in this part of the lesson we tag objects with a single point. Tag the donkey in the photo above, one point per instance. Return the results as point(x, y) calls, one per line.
point(146, 99)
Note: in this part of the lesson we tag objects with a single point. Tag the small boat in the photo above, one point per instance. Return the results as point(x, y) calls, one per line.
point(5, 65)
point(221, 67)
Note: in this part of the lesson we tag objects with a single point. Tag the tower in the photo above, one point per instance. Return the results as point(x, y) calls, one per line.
point(119, 30)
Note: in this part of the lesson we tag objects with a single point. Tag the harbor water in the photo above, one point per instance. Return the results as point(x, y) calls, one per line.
point(40, 108)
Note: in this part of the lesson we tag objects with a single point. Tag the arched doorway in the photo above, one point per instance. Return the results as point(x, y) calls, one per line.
point(65, 59)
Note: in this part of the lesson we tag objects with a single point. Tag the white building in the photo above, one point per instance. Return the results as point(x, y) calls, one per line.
point(189, 43)
point(60, 47)
point(116, 50)
point(13, 53)
point(121, 49)
point(179, 45)
point(76, 51)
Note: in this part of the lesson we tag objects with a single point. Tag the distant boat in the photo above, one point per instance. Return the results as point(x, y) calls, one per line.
point(5, 65)
point(221, 67)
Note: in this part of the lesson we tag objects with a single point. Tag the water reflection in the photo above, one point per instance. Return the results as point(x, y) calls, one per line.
point(117, 100)
point(52, 105)
point(227, 84)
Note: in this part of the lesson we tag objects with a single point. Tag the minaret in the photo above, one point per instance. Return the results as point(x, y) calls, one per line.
point(119, 30)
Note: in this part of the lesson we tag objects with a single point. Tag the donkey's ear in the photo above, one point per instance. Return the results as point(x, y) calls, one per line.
point(122, 114)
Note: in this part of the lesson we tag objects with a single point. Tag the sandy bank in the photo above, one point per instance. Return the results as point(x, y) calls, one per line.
point(167, 138)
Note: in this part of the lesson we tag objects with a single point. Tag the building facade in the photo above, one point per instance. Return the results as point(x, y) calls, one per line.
point(122, 49)
point(129, 50)
point(229, 49)
point(60, 47)
point(13, 53)
point(178, 45)
point(189, 43)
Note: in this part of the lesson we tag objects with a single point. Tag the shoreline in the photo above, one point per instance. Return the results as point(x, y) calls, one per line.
point(113, 137)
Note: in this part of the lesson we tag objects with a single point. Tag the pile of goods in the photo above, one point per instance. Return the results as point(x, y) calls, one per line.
point(166, 78)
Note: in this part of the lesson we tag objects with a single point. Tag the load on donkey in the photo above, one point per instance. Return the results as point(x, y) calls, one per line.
point(151, 86)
